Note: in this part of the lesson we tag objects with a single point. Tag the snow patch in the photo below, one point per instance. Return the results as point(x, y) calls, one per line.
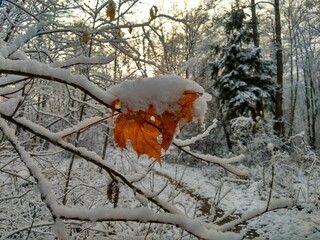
point(9, 106)
point(59, 229)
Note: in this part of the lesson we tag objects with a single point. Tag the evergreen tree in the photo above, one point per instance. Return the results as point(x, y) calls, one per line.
point(244, 80)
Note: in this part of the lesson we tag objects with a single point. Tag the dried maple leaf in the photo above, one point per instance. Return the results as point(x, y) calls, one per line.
point(85, 37)
point(115, 105)
point(148, 132)
point(144, 137)
point(186, 103)
point(111, 10)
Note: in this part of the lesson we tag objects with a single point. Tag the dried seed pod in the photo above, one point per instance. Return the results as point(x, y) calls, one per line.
point(111, 10)
point(85, 36)
point(113, 193)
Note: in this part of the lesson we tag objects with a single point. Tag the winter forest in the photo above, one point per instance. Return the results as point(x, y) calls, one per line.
point(138, 119)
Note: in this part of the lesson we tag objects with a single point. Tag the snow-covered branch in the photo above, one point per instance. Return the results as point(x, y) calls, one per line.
point(83, 60)
point(145, 215)
point(274, 204)
point(23, 9)
point(223, 162)
point(81, 126)
point(183, 143)
point(6, 51)
point(40, 224)
point(17, 196)
point(92, 157)
point(35, 69)
point(44, 185)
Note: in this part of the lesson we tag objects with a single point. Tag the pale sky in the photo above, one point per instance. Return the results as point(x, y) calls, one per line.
point(167, 5)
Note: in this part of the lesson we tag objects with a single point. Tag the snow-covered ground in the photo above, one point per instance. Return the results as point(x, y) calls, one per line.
point(201, 191)
point(302, 222)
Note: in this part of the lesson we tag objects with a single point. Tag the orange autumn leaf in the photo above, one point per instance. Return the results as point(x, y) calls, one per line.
point(168, 128)
point(144, 137)
point(186, 103)
point(148, 132)
point(115, 105)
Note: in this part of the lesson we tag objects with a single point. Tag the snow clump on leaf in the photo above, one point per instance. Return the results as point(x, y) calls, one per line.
point(153, 108)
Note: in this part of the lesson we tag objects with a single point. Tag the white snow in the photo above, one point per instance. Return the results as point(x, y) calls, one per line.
point(164, 202)
point(161, 92)
point(10, 79)
point(146, 215)
point(243, 199)
point(223, 162)
point(188, 64)
point(80, 126)
point(7, 107)
point(7, 50)
point(59, 229)
point(82, 60)
point(42, 70)
point(194, 139)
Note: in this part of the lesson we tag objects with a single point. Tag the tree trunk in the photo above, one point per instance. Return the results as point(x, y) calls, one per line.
point(225, 129)
point(256, 42)
point(279, 124)
point(308, 70)
point(254, 21)
point(294, 84)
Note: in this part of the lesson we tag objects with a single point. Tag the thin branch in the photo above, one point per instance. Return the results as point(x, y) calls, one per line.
point(219, 161)
point(33, 218)
point(16, 196)
point(17, 175)
point(89, 156)
point(23, 9)
point(42, 224)
point(44, 185)
point(53, 74)
point(275, 204)
point(145, 215)
point(84, 128)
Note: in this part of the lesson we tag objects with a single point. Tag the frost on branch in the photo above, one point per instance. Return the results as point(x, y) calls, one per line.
point(153, 109)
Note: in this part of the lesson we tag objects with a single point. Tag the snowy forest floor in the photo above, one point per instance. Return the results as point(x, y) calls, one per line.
point(203, 191)
point(200, 183)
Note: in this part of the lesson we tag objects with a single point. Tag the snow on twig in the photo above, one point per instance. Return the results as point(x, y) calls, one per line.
point(6, 91)
point(188, 64)
point(41, 224)
point(145, 215)
point(81, 126)
point(44, 185)
point(274, 204)
point(12, 197)
point(16, 175)
point(89, 156)
point(182, 143)
point(11, 79)
point(32, 68)
point(82, 60)
point(223, 162)
point(9, 106)
point(140, 173)
point(6, 51)
point(24, 9)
